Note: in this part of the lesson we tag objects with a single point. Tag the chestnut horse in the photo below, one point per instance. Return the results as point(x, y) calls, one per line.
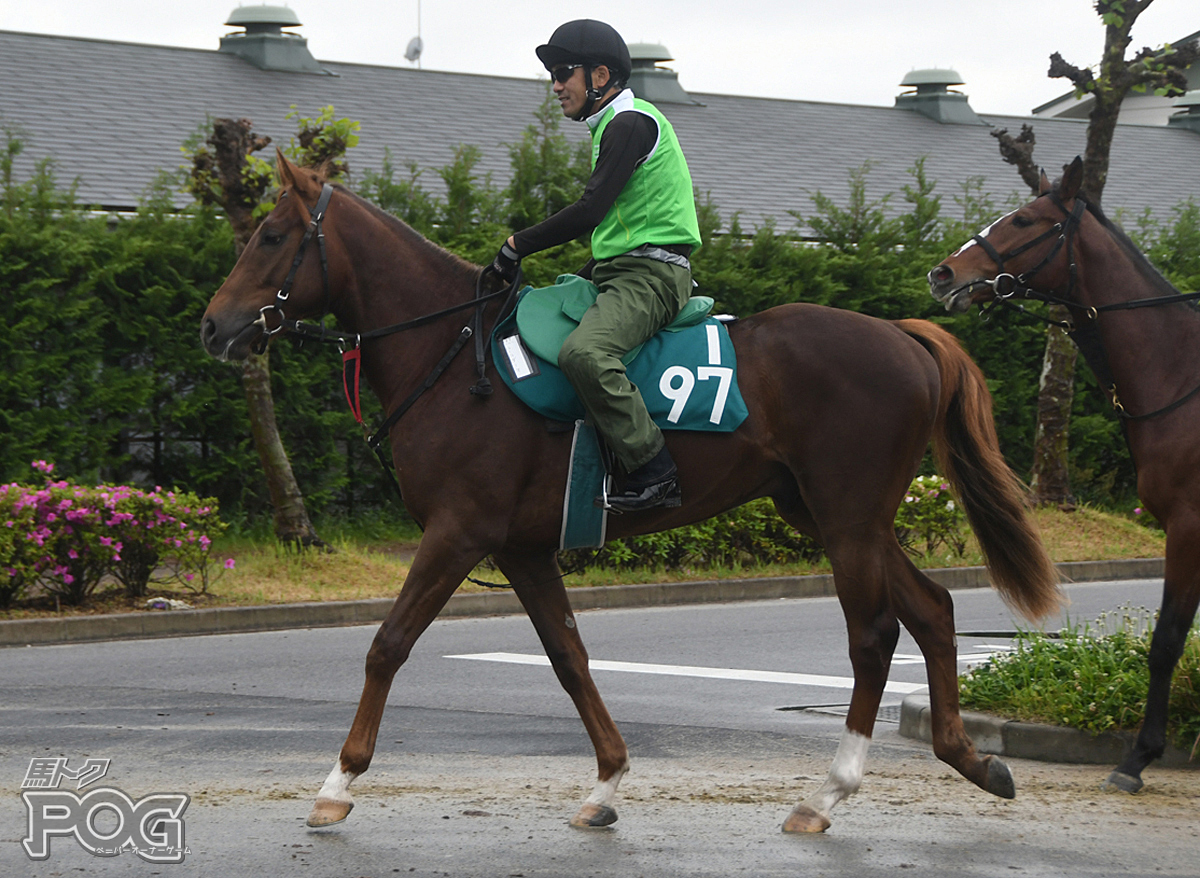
point(841, 410)
point(1061, 249)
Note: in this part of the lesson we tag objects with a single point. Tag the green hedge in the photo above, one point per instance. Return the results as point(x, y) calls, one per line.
point(104, 374)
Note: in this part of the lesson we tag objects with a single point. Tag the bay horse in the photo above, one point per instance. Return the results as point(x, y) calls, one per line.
point(841, 410)
point(1061, 249)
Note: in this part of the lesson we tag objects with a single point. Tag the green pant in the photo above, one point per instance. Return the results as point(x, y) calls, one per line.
point(638, 297)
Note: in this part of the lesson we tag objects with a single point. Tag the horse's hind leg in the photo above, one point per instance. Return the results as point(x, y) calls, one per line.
point(537, 580)
point(861, 577)
point(441, 564)
point(927, 611)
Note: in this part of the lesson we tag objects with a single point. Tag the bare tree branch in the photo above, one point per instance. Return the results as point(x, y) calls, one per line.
point(1060, 69)
point(1019, 151)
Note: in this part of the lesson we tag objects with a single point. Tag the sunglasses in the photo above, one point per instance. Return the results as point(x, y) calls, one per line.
point(564, 72)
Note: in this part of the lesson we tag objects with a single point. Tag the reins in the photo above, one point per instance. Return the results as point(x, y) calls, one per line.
point(352, 355)
point(1006, 287)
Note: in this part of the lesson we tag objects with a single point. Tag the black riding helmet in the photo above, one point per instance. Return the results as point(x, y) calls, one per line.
point(591, 43)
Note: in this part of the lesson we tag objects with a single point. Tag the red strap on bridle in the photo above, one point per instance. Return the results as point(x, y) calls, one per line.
point(351, 373)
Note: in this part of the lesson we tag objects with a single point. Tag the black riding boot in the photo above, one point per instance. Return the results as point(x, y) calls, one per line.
point(652, 485)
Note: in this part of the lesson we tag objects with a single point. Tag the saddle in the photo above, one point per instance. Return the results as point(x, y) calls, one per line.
point(687, 373)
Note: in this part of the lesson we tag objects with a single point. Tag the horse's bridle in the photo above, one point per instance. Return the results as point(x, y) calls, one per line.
point(1006, 287)
point(351, 358)
point(317, 216)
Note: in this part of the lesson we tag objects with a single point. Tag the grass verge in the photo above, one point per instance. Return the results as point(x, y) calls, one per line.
point(1092, 677)
point(264, 572)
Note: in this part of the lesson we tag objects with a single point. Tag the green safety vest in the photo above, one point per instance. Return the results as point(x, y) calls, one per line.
point(657, 205)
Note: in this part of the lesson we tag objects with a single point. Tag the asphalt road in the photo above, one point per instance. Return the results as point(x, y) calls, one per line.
point(481, 758)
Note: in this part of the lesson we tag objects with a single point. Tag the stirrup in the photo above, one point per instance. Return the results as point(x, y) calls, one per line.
point(663, 494)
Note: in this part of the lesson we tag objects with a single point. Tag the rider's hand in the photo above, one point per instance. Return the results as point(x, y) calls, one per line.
point(506, 263)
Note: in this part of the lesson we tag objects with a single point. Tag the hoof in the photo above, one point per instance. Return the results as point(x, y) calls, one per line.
point(327, 812)
point(594, 816)
point(1119, 782)
point(1000, 780)
point(805, 819)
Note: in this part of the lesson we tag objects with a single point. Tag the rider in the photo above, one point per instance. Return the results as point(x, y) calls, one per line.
point(639, 206)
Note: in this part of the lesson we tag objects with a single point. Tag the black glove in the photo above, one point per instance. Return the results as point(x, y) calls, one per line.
point(507, 263)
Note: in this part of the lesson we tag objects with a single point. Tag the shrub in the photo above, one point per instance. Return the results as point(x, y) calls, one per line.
point(754, 534)
point(750, 534)
point(929, 517)
point(65, 538)
point(1091, 680)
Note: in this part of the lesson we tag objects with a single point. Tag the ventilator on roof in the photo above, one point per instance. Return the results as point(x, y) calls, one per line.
point(932, 97)
point(265, 44)
point(1189, 113)
point(658, 85)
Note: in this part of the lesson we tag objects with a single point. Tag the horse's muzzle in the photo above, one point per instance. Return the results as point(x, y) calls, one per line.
point(225, 345)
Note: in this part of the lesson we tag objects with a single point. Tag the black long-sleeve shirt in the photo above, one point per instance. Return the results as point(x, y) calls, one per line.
point(625, 144)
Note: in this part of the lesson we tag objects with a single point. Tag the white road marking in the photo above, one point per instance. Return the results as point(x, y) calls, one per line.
point(690, 671)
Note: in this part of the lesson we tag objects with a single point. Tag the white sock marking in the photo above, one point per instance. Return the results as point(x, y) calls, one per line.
point(845, 775)
point(605, 791)
point(337, 786)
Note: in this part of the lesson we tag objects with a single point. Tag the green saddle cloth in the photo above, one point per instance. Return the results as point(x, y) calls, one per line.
point(687, 373)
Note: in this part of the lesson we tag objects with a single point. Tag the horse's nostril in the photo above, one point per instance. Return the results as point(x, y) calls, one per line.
point(208, 329)
point(942, 274)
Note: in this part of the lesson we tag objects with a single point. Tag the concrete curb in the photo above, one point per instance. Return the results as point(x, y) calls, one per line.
point(1005, 737)
point(230, 620)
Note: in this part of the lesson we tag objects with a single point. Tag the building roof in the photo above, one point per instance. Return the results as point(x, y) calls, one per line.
point(113, 114)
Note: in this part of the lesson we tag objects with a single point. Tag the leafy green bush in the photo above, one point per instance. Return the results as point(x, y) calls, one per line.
point(930, 517)
point(750, 534)
point(1094, 680)
point(754, 534)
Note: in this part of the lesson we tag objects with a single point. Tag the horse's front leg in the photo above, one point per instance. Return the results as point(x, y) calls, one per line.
point(1181, 594)
point(537, 580)
point(442, 561)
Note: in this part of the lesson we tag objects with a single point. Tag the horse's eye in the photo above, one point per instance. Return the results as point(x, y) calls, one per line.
point(271, 238)
point(1022, 222)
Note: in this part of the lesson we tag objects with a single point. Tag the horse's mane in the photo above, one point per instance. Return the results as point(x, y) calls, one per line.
point(453, 262)
point(1144, 266)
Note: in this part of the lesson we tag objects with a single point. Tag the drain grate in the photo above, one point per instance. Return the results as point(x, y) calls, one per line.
point(887, 713)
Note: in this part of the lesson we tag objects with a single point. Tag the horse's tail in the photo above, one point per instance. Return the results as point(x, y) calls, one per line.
point(994, 499)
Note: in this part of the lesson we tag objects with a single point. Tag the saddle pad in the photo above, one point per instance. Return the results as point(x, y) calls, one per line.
point(687, 378)
point(547, 315)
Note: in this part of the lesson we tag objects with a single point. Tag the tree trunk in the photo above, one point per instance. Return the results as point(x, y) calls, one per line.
point(1050, 480)
point(292, 524)
point(1163, 68)
point(233, 140)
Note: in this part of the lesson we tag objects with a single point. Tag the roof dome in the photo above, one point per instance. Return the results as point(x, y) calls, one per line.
point(279, 16)
point(931, 76)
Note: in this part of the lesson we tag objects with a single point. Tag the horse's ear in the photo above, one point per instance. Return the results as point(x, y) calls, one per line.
point(1071, 180)
point(284, 170)
point(1043, 182)
point(301, 180)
